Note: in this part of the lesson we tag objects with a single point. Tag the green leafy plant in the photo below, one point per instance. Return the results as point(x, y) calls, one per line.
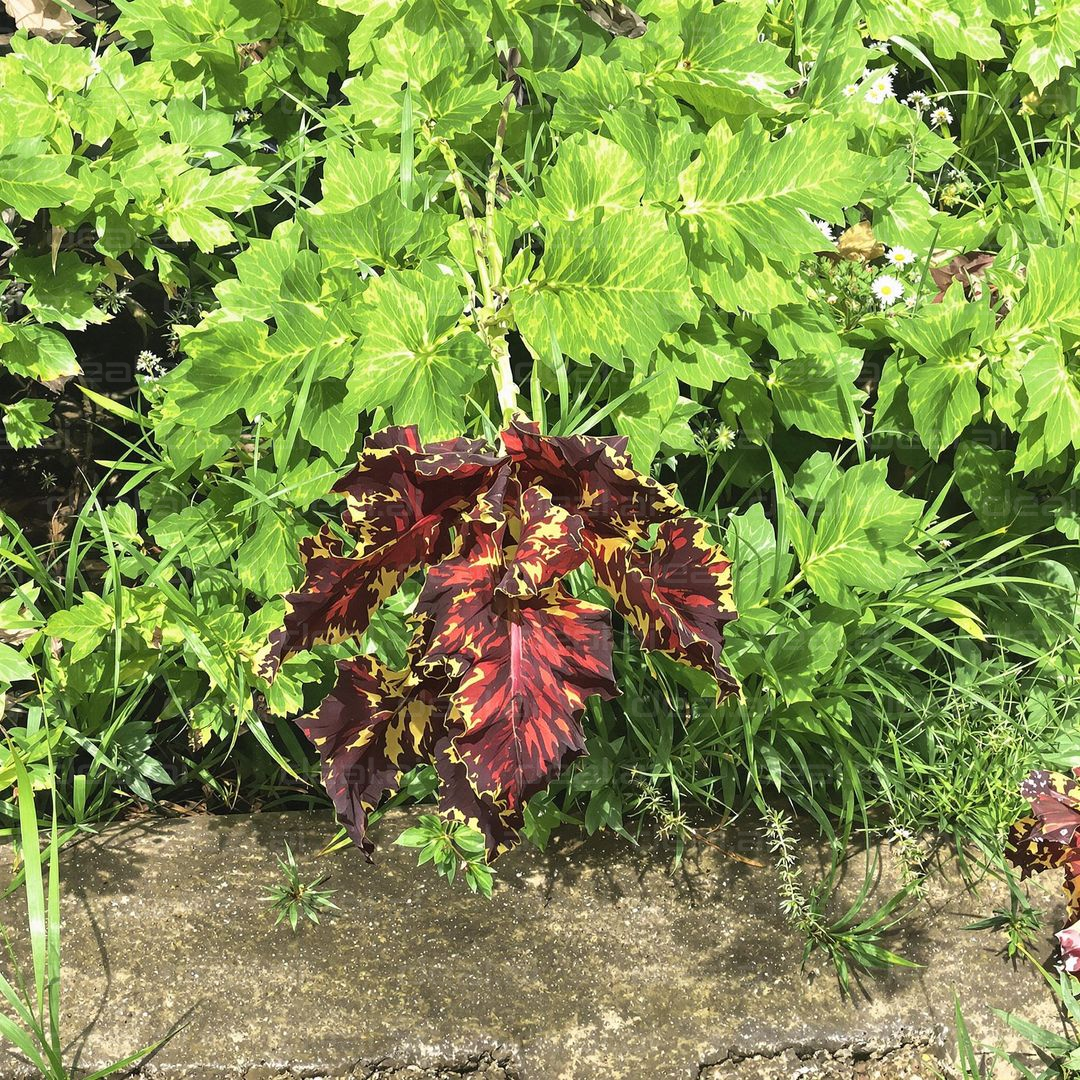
point(295, 899)
point(850, 941)
point(451, 846)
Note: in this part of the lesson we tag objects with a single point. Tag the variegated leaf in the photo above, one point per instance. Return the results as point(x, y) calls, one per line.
point(527, 666)
point(549, 545)
point(593, 477)
point(375, 725)
point(401, 502)
point(676, 594)
point(458, 801)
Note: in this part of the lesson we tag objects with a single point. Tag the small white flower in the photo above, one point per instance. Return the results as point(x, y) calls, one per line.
point(824, 228)
point(257, 419)
point(851, 89)
point(910, 300)
point(879, 47)
point(917, 100)
point(884, 83)
point(887, 289)
point(900, 256)
point(149, 364)
point(875, 96)
point(940, 117)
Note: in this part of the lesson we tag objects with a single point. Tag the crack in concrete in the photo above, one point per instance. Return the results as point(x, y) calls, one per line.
point(931, 1042)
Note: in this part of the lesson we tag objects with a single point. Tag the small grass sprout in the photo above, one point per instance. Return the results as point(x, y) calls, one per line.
point(293, 898)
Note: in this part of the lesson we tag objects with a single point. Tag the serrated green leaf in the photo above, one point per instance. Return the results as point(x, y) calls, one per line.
point(63, 294)
point(1051, 419)
point(954, 32)
point(36, 352)
point(591, 173)
point(747, 192)
point(24, 422)
point(33, 177)
point(413, 359)
point(84, 625)
point(818, 394)
point(725, 70)
point(1049, 43)
point(608, 290)
point(859, 541)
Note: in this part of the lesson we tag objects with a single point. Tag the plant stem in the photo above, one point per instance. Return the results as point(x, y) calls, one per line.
point(495, 258)
point(500, 347)
point(488, 258)
point(470, 221)
point(504, 377)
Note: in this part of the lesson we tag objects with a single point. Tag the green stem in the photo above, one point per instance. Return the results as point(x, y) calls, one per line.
point(470, 221)
point(488, 258)
point(494, 252)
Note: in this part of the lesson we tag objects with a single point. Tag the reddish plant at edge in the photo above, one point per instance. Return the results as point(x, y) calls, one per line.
point(1047, 840)
point(503, 658)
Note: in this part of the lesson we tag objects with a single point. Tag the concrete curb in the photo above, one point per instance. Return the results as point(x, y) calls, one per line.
point(592, 960)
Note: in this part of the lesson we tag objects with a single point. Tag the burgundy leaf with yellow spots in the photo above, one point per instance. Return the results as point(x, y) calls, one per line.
point(401, 502)
point(375, 725)
point(503, 658)
point(592, 477)
point(527, 665)
point(676, 594)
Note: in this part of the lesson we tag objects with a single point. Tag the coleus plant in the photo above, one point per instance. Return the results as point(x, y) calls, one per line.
point(1047, 840)
point(503, 657)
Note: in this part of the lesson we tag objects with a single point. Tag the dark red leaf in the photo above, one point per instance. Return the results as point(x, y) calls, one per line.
point(676, 594)
point(375, 725)
point(592, 477)
point(527, 666)
point(401, 502)
point(549, 545)
point(458, 801)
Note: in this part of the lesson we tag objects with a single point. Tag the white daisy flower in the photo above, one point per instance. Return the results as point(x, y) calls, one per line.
point(851, 89)
point(824, 228)
point(917, 100)
point(887, 289)
point(941, 117)
point(879, 47)
point(900, 256)
point(885, 84)
point(875, 95)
